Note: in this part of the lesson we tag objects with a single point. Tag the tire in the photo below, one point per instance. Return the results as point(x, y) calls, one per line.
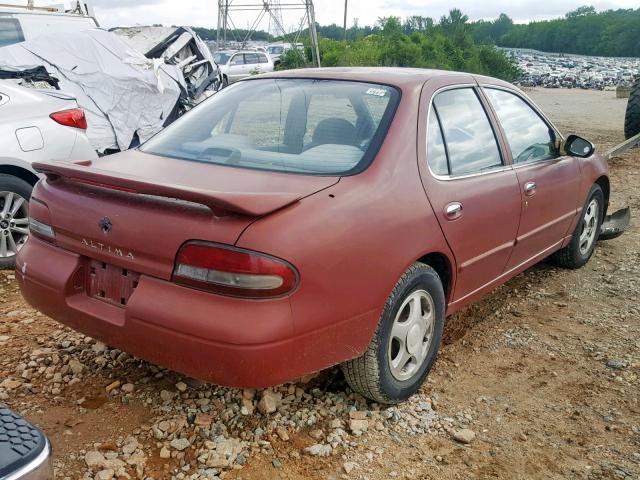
point(577, 253)
point(12, 189)
point(632, 117)
point(225, 82)
point(373, 375)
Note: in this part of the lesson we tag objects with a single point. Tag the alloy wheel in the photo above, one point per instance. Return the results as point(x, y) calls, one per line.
point(14, 223)
point(589, 226)
point(411, 335)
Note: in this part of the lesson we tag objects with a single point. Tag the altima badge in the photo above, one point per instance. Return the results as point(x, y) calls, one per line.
point(105, 225)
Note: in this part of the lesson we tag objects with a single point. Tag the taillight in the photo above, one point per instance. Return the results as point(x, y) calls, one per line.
point(233, 271)
point(41, 230)
point(71, 118)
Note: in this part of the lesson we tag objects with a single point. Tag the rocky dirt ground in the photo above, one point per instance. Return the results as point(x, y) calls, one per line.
point(539, 380)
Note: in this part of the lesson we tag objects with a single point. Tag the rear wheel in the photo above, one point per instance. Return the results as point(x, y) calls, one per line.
point(632, 118)
point(584, 239)
point(14, 217)
point(406, 342)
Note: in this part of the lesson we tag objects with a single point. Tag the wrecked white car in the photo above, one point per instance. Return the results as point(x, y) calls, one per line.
point(179, 46)
point(127, 95)
point(35, 125)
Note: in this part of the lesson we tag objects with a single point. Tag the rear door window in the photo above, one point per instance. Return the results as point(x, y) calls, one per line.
point(237, 59)
point(263, 58)
point(250, 58)
point(436, 151)
point(10, 32)
point(470, 140)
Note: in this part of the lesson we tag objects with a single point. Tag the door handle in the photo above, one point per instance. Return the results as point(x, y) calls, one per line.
point(530, 188)
point(453, 210)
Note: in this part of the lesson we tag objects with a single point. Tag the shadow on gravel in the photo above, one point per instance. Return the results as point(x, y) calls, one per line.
point(459, 324)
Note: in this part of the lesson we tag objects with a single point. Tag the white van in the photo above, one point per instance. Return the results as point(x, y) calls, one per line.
point(19, 23)
point(277, 50)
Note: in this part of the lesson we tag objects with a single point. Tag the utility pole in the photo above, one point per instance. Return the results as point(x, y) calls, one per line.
point(315, 48)
point(345, 19)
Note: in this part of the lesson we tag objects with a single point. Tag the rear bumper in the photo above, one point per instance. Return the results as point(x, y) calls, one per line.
point(227, 341)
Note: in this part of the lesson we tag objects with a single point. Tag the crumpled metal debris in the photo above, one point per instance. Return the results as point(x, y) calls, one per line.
point(179, 46)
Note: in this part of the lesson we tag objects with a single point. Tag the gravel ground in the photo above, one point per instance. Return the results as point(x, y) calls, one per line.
point(539, 380)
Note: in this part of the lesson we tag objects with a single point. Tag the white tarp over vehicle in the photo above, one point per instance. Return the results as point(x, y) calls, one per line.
point(121, 91)
point(127, 96)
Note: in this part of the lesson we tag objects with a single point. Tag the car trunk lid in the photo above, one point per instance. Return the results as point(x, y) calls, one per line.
point(135, 210)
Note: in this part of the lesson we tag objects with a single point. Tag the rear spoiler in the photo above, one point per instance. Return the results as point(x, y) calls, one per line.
point(220, 203)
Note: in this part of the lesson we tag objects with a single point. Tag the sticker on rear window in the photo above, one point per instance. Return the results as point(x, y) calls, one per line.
point(378, 92)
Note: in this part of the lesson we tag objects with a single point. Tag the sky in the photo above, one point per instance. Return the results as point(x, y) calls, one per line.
point(204, 13)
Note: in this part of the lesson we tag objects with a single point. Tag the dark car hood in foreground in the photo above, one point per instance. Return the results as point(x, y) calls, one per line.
point(155, 204)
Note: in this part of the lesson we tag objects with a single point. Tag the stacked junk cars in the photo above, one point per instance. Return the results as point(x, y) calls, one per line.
point(130, 82)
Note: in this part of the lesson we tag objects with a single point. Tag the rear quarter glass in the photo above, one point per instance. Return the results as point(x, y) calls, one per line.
point(293, 125)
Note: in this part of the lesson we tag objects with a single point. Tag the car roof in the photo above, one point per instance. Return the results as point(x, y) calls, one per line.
point(397, 76)
point(231, 52)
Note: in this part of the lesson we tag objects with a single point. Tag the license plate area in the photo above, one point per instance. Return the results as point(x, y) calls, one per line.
point(111, 284)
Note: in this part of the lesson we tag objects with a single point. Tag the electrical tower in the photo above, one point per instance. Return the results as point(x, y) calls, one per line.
point(275, 19)
point(274, 10)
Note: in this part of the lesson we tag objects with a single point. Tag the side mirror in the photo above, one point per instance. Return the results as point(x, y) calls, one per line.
point(578, 147)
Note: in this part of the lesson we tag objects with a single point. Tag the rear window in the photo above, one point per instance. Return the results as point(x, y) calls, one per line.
point(468, 135)
point(222, 58)
point(10, 32)
point(324, 127)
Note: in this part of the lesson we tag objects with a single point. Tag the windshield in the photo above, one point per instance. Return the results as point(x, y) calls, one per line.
point(221, 58)
point(276, 50)
point(293, 125)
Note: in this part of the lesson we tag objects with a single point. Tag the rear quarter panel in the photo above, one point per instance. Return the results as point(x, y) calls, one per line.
point(27, 108)
point(353, 241)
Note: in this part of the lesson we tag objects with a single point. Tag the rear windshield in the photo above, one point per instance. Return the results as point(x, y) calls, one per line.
point(10, 32)
point(221, 58)
point(324, 127)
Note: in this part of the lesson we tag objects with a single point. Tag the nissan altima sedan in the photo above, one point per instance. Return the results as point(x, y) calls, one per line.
point(303, 219)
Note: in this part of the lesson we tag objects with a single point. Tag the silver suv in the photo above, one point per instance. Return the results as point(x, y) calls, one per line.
point(236, 65)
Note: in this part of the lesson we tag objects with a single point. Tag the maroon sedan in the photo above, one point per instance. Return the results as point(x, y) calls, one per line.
point(309, 218)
